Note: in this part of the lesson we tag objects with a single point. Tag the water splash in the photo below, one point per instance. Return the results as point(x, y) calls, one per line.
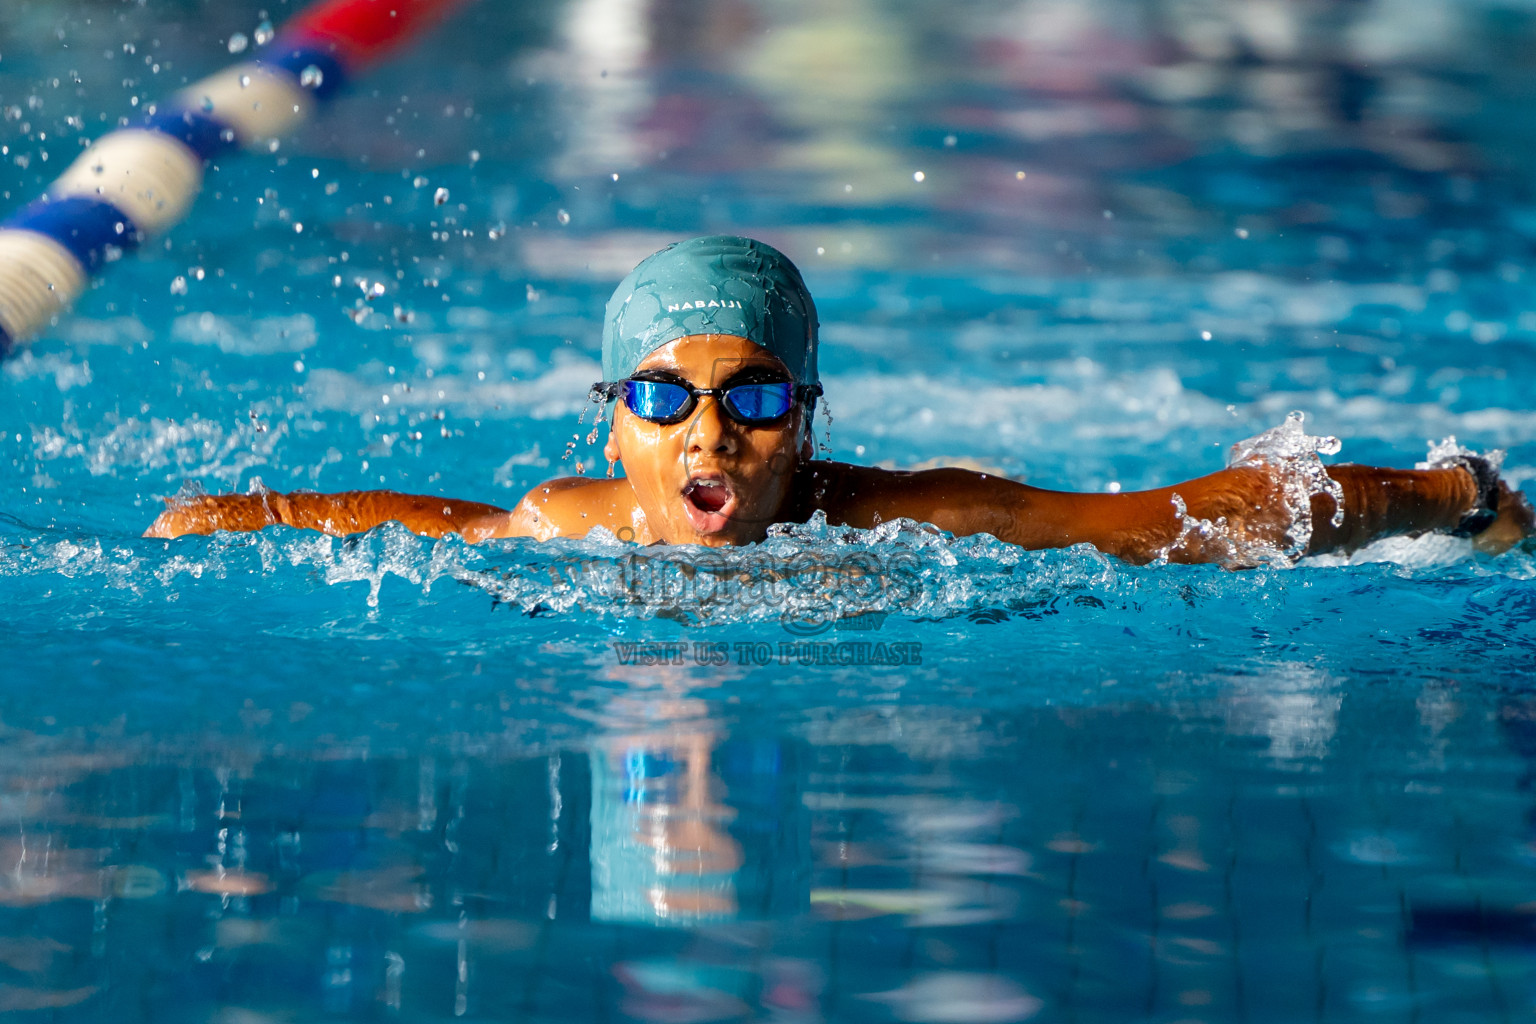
point(593, 400)
point(1446, 453)
point(804, 581)
point(824, 444)
point(1292, 455)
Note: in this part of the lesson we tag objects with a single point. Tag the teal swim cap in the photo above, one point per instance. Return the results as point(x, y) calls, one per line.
point(719, 284)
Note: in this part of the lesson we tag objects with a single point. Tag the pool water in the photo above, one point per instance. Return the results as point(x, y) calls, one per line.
point(852, 776)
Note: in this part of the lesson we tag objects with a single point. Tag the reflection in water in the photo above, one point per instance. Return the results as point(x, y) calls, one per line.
point(660, 849)
point(695, 859)
point(668, 789)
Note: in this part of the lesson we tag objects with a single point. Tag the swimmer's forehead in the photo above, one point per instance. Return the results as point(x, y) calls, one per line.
point(712, 356)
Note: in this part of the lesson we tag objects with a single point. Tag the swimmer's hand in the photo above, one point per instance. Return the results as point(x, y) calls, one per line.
point(336, 514)
point(1516, 522)
point(209, 513)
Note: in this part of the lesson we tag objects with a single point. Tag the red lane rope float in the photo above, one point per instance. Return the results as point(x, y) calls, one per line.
point(363, 31)
point(137, 182)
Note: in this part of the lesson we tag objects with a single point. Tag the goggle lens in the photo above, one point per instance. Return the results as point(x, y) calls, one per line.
point(759, 403)
point(656, 400)
point(662, 402)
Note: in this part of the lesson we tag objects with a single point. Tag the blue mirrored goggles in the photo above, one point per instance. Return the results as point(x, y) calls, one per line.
point(661, 401)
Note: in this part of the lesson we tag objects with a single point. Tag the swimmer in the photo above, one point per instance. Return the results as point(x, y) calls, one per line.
point(709, 368)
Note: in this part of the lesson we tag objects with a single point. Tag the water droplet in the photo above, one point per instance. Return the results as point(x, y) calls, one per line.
point(207, 104)
point(440, 197)
point(264, 33)
point(615, 175)
point(474, 156)
point(419, 181)
point(1019, 175)
point(918, 175)
point(950, 141)
point(178, 285)
point(1242, 232)
point(311, 77)
point(238, 43)
point(1205, 335)
point(563, 217)
point(245, 81)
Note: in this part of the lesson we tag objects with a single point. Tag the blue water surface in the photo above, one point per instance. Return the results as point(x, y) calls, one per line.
point(882, 776)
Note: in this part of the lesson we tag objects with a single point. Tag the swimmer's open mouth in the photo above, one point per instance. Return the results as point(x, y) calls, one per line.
point(707, 495)
point(708, 503)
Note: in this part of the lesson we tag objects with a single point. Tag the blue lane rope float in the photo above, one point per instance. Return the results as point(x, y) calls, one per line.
point(135, 183)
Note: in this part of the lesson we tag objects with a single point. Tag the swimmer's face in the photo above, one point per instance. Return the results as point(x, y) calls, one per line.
point(709, 479)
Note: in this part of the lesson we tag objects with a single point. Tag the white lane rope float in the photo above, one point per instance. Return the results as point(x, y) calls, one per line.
point(135, 183)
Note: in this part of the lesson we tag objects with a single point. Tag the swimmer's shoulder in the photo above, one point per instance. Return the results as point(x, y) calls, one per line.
point(957, 498)
point(565, 507)
point(831, 487)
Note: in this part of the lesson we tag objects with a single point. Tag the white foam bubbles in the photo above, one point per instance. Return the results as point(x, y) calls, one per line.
point(247, 335)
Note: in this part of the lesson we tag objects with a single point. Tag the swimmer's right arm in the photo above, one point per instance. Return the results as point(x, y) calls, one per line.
point(564, 507)
point(336, 514)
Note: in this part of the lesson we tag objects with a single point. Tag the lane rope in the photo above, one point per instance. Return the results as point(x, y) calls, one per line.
point(138, 182)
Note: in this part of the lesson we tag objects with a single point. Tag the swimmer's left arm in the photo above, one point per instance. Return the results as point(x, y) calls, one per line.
point(1139, 526)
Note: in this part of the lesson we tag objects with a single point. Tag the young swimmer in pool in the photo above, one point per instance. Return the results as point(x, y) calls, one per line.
point(709, 361)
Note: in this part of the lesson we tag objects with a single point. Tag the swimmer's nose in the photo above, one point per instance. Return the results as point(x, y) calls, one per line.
point(708, 430)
